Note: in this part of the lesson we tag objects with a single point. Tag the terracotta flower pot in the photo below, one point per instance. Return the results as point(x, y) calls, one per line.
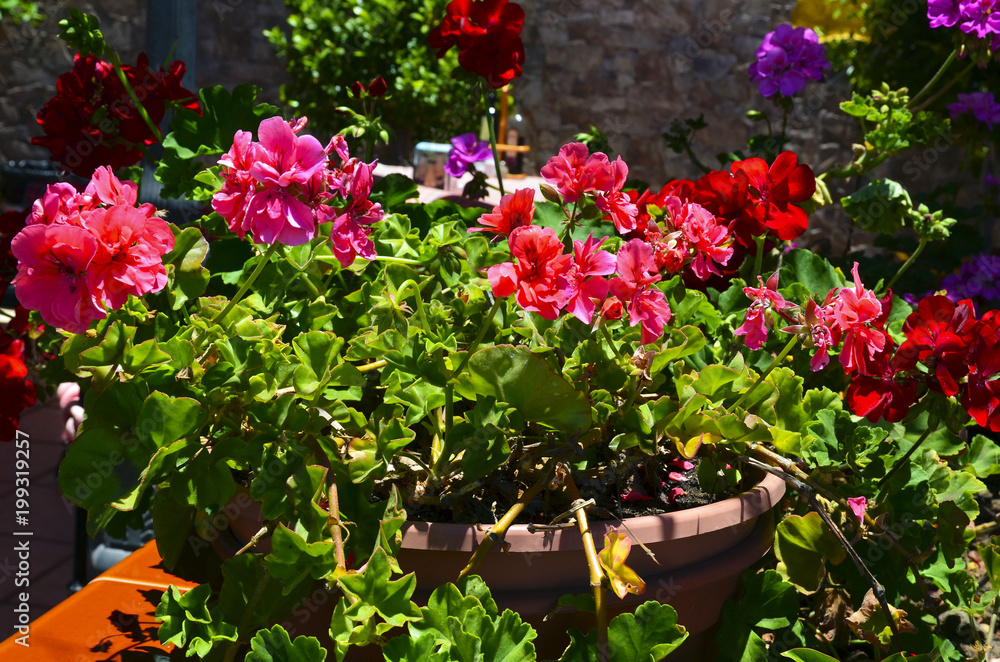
point(701, 553)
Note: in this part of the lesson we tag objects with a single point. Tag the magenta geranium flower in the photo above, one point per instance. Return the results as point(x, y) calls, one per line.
point(765, 299)
point(575, 171)
point(614, 202)
point(539, 277)
point(586, 283)
point(466, 150)
point(787, 59)
point(982, 105)
point(646, 305)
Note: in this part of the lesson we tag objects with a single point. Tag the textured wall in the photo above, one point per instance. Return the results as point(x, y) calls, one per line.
point(631, 66)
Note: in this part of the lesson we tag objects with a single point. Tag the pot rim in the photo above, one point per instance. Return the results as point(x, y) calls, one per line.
point(726, 514)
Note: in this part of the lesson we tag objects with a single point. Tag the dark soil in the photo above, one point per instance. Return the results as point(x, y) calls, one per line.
point(649, 489)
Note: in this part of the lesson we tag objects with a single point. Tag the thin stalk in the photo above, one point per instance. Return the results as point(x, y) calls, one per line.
point(961, 74)
point(334, 523)
point(493, 140)
point(596, 575)
point(909, 261)
point(934, 80)
point(250, 281)
point(778, 359)
point(374, 365)
point(497, 531)
point(404, 290)
point(611, 342)
point(906, 457)
point(479, 338)
point(759, 257)
point(993, 625)
point(117, 64)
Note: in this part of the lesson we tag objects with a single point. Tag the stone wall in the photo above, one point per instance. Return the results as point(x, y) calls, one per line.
point(629, 67)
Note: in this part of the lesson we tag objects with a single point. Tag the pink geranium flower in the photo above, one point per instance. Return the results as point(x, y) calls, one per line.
point(765, 299)
point(61, 203)
point(539, 277)
point(349, 235)
point(129, 256)
point(52, 262)
point(586, 284)
point(646, 305)
point(859, 314)
point(574, 171)
point(231, 201)
point(616, 203)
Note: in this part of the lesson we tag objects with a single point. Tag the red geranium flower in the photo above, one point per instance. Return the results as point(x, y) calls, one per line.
point(91, 121)
point(488, 35)
point(882, 395)
point(514, 211)
point(940, 329)
point(982, 396)
point(539, 279)
point(774, 190)
point(18, 391)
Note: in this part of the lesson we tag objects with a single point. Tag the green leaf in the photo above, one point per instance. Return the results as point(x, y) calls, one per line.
point(373, 593)
point(210, 132)
point(190, 249)
point(392, 190)
point(682, 342)
point(274, 645)
point(983, 457)
point(802, 545)
point(164, 419)
point(879, 206)
point(526, 382)
point(990, 553)
point(144, 355)
point(813, 271)
point(650, 634)
point(292, 559)
point(187, 621)
point(318, 351)
point(804, 654)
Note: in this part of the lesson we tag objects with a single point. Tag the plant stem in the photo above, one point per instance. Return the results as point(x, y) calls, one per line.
point(117, 64)
point(596, 575)
point(909, 261)
point(497, 531)
point(335, 524)
point(374, 365)
point(249, 282)
point(993, 625)
point(611, 342)
point(955, 79)
point(933, 81)
point(759, 257)
point(479, 338)
point(493, 139)
point(778, 359)
point(903, 460)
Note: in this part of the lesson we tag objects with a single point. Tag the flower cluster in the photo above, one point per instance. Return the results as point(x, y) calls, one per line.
point(978, 278)
point(750, 199)
point(281, 189)
point(488, 36)
point(978, 17)
point(18, 391)
point(82, 253)
point(465, 150)
point(787, 59)
point(92, 121)
point(981, 105)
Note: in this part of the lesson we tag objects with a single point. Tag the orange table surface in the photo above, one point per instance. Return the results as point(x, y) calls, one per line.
point(110, 619)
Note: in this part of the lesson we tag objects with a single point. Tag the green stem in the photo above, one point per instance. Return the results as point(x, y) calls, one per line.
point(403, 292)
point(944, 89)
point(493, 139)
point(778, 359)
point(903, 460)
point(933, 81)
point(759, 258)
point(611, 343)
point(906, 265)
point(117, 64)
point(243, 290)
point(479, 338)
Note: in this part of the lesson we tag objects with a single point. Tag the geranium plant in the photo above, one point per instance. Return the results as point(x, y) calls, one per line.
point(345, 358)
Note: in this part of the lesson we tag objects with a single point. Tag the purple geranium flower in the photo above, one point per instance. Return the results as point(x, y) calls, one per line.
point(787, 59)
point(943, 13)
point(982, 105)
point(465, 150)
point(981, 17)
point(977, 278)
